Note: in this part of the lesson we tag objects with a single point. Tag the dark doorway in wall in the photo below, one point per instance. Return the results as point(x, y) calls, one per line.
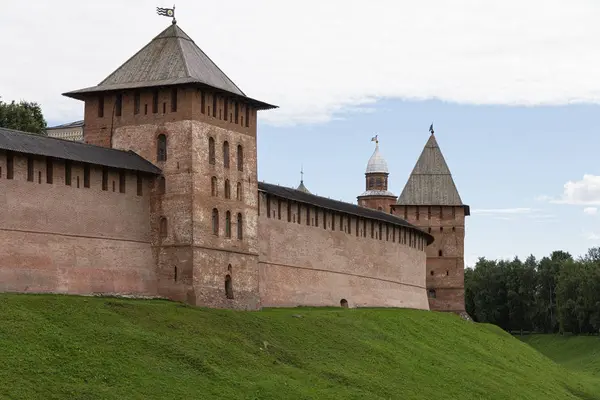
point(344, 303)
point(228, 287)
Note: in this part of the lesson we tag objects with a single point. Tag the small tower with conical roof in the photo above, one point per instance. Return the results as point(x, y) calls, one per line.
point(376, 195)
point(431, 201)
point(301, 187)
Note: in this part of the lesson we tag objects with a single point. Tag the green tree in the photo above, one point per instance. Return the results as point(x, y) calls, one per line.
point(23, 116)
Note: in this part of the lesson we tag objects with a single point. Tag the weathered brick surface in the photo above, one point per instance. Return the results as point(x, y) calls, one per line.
point(313, 265)
point(59, 238)
point(445, 271)
point(381, 203)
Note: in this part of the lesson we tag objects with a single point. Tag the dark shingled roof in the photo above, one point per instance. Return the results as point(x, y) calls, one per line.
point(334, 205)
point(23, 142)
point(431, 183)
point(171, 58)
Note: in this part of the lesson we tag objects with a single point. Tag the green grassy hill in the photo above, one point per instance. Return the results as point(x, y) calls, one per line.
point(67, 347)
point(575, 352)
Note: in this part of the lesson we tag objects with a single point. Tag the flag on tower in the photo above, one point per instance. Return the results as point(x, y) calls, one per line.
point(374, 139)
point(167, 12)
point(431, 128)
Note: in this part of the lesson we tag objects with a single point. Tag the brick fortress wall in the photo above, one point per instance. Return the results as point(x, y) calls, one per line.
point(73, 239)
point(304, 262)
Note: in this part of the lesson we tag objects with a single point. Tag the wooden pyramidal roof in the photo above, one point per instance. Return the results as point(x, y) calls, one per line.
point(431, 183)
point(171, 58)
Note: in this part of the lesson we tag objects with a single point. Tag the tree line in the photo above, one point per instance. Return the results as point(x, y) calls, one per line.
point(554, 294)
point(22, 116)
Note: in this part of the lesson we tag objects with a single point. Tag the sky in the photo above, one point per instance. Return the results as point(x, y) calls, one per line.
point(512, 87)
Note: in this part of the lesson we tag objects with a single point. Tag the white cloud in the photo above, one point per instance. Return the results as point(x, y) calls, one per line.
point(591, 210)
point(591, 236)
point(316, 59)
point(503, 211)
point(583, 192)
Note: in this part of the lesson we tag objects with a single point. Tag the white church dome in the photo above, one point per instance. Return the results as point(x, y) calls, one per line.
point(376, 163)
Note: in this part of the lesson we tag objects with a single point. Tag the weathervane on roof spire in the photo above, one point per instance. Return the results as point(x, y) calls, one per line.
point(301, 173)
point(167, 12)
point(375, 139)
point(431, 128)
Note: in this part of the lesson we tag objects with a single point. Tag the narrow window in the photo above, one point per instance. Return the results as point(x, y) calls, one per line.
point(341, 222)
point(289, 211)
point(162, 228)
point(140, 184)
point(202, 102)
point(307, 215)
point(136, 103)
point(86, 175)
point(215, 221)
point(247, 116)
point(68, 173)
point(39, 176)
point(333, 221)
point(372, 230)
point(30, 169)
point(441, 229)
point(161, 148)
point(49, 170)
point(278, 208)
point(226, 154)
point(104, 178)
point(380, 231)
point(453, 213)
point(174, 100)
point(418, 212)
point(387, 232)
point(145, 109)
point(268, 206)
point(404, 241)
point(240, 227)
point(119, 105)
point(394, 234)
point(429, 212)
point(240, 158)
point(316, 217)
point(113, 185)
point(349, 222)
point(214, 96)
point(236, 107)
point(447, 272)
point(175, 274)
point(228, 287)
point(77, 181)
point(226, 107)
point(121, 181)
point(356, 227)
point(227, 189)
point(453, 229)
point(162, 185)
point(164, 108)
point(101, 106)
point(299, 208)
point(154, 101)
point(213, 186)
point(228, 224)
point(324, 219)
point(440, 254)
point(239, 192)
point(364, 228)
point(10, 165)
point(211, 150)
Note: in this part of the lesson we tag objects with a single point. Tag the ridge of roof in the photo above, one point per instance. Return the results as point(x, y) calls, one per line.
point(430, 182)
point(41, 145)
point(339, 206)
point(73, 124)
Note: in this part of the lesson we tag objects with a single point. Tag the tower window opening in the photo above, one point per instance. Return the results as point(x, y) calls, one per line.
point(240, 158)
point(240, 227)
point(175, 274)
point(431, 273)
point(136, 103)
point(447, 272)
point(49, 170)
point(440, 253)
point(154, 101)
point(118, 105)
point(213, 186)
point(236, 108)
point(441, 229)
point(226, 154)
point(316, 216)
point(226, 107)
point(214, 96)
point(228, 287)
point(299, 209)
point(227, 189)
point(453, 229)
point(215, 221)
point(67, 173)
point(211, 150)
point(86, 175)
point(228, 224)
point(162, 185)
point(239, 191)
point(174, 100)
point(268, 199)
point(247, 116)
point(140, 184)
point(122, 181)
point(162, 227)
point(10, 165)
point(164, 108)
point(39, 176)
point(203, 102)
point(101, 106)
point(307, 216)
point(30, 169)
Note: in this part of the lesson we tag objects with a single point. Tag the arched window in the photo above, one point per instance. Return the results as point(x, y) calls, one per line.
point(162, 185)
point(378, 182)
point(240, 158)
point(213, 187)
point(162, 228)
point(238, 192)
point(228, 287)
point(161, 148)
point(227, 189)
point(344, 303)
point(240, 227)
point(226, 154)
point(215, 221)
point(371, 183)
point(228, 224)
point(211, 150)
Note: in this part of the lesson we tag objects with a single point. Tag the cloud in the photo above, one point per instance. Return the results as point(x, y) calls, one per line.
point(583, 192)
point(503, 211)
point(591, 236)
point(591, 210)
point(317, 65)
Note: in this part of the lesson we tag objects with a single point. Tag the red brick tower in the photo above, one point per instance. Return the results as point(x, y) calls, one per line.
point(377, 195)
point(431, 201)
point(173, 106)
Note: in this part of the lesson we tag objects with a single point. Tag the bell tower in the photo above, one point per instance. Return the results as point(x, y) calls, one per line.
point(431, 202)
point(376, 194)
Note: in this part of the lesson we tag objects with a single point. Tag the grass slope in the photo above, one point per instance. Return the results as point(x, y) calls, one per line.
point(575, 352)
point(63, 347)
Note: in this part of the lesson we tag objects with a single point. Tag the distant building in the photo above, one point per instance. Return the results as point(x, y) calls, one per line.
point(71, 131)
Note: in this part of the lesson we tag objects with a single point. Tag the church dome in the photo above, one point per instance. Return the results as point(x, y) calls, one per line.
point(377, 163)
